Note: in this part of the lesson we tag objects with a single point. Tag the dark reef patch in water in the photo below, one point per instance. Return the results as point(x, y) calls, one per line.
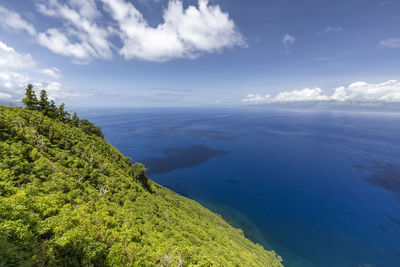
point(386, 176)
point(179, 158)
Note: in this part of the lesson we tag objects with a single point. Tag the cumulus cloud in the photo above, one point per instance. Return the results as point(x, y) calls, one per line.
point(306, 94)
point(80, 37)
point(87, 33)
point(17, 70)
point(288, 40)
point(359, 91)
point(11, 20)
point(11, 82)
point(391, 43)
point(185, 33)
point(11, 60)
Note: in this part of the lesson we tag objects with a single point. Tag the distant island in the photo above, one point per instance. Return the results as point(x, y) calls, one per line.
point(69, 198)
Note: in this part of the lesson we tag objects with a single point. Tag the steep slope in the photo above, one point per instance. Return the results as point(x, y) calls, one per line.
point(68, 198)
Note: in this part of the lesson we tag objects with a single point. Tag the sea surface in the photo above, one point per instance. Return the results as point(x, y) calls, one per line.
point(320, 188)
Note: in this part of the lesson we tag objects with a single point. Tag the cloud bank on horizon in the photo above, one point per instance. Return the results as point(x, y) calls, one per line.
point(85, 33)
point(359, 92)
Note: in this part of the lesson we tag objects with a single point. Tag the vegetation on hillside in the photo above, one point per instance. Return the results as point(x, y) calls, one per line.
point(68, 198)
point(52, 111)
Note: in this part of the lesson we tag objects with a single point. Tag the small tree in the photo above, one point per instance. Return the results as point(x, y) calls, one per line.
point(44, 105)
point(52, 113)
point(139, 174)
point(75, 120)
point(30, 99)
point(62, 114)
point(90, 128)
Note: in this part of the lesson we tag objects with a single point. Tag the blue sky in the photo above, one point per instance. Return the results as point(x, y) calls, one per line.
point(193, 53)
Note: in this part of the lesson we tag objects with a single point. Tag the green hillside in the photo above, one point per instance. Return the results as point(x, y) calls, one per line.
point(68, 198)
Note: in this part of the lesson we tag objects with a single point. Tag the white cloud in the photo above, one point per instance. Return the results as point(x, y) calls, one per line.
point(86, 34)
point(288, 40)
point(59, 43)
point(52, 72)
point(391, 43)
point(359, 91)
point(80, 37)
point(183, 34)
point(11, 60)
point(13, 84)
point(11, 20)
point(257, 98)
point(55, 90)
point(87, 8)
point(17, 70)
point(306, 94)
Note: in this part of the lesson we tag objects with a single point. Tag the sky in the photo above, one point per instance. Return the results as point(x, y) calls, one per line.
point(152, 53)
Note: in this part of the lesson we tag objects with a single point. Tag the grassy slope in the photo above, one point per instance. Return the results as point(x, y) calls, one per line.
point(68, 198)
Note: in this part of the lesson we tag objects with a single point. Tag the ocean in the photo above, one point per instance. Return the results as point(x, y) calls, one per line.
point(321, 188)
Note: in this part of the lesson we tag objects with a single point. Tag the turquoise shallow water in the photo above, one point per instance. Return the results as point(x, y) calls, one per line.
point(320, 188)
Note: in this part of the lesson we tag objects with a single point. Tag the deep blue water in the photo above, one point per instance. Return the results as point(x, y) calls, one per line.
point(320, 188)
